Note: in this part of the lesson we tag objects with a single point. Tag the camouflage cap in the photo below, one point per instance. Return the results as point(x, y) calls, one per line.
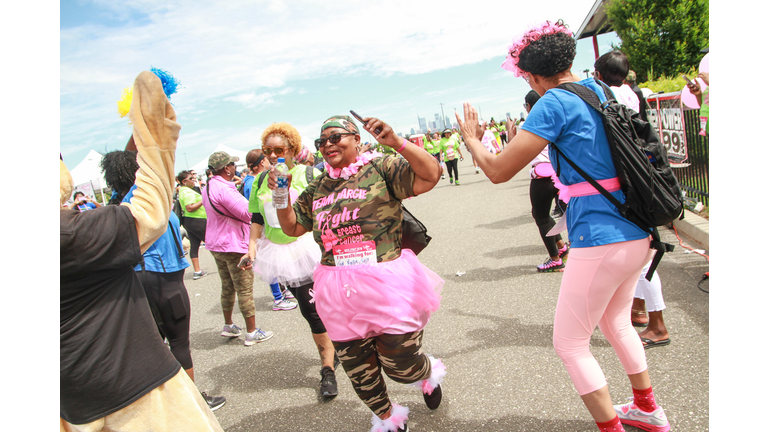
point(341, 121)
point(220, 159)
point(631, 76)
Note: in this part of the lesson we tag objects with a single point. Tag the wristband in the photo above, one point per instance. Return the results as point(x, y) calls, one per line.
point(400, 150)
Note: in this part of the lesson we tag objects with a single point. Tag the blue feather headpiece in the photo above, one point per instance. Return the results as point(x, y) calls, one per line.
point(170, 84)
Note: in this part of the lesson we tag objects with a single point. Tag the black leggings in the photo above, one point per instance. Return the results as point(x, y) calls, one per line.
point(453, 165)
point(308, 310)
point(168, 296)
point(543, 192)
point(196, 231)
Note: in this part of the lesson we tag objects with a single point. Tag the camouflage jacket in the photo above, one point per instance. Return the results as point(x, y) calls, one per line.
point(360, 209)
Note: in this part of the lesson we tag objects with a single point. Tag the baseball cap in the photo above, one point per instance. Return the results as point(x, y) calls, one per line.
point(220, 159)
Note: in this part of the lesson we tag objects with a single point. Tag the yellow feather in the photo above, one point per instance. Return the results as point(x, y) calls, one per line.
point(124, 104)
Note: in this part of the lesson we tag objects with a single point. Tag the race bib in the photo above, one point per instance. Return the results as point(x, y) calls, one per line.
point(449, 152)
point(363, 253)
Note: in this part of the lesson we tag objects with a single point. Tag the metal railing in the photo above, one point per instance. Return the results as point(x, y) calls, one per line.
point(694, 178)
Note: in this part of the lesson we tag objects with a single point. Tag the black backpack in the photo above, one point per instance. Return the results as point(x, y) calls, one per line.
point(653, 194)
point(176, 208)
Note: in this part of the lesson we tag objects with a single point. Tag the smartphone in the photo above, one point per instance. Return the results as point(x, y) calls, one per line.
point(687, 79)
point(245, 261)
point(360, 119)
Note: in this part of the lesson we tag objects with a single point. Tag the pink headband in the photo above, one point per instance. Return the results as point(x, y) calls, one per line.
point(531, 35)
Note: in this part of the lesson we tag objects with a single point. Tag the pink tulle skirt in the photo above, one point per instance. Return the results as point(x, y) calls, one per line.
point(394, 297)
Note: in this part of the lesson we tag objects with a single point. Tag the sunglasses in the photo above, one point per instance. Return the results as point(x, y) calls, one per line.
point(278, 151)
point(334, 139)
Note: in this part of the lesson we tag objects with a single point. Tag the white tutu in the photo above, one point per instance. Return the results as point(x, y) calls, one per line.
point(290, 264)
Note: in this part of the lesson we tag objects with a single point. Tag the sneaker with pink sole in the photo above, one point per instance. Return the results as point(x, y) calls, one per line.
point(551, 266)
point(631, 415)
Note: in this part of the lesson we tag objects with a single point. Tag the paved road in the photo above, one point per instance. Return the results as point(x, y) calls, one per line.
point(493, 331)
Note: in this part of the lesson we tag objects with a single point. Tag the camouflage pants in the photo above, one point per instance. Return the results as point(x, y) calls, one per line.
point(400, 356)
point(235, 282)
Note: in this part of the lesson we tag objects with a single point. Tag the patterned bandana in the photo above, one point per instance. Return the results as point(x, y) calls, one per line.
point(341, 121)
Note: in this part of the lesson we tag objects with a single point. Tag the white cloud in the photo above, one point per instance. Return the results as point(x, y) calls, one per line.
point(246, 52)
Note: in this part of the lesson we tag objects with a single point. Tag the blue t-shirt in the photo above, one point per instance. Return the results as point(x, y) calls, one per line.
point(163, 255)
point(86, 206)
point(247, 184)
point(577, 129)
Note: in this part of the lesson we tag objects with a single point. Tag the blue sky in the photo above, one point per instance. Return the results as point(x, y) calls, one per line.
point(243, 67)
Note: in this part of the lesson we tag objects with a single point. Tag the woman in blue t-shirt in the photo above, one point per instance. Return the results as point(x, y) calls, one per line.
point(607, 251)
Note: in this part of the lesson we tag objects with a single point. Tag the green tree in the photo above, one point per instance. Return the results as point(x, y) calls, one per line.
point(660, 37)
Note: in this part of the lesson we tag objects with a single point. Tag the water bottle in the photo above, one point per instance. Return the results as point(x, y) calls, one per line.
point(280, 194)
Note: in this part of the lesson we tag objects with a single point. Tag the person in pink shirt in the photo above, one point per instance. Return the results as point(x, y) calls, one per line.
point(227, 231)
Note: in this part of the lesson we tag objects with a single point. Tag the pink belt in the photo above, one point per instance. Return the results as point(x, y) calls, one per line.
point(584, 188)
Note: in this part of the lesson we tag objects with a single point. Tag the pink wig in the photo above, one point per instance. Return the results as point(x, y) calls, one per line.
point(531, 35)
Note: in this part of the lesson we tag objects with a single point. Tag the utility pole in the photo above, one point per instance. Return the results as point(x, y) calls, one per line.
point(185, 160)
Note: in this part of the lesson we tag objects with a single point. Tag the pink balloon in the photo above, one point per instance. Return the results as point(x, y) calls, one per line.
point(689, 99)
point(704, 65)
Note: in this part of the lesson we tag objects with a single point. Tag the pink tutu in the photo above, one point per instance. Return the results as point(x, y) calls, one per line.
point(394, 297)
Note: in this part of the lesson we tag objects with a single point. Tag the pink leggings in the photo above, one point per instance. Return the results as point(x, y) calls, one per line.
point(597, 289)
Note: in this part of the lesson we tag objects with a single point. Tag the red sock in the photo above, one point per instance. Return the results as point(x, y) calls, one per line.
point(644, 399)
point(611, 426)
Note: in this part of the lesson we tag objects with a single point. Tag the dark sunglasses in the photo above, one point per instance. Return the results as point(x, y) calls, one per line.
point(334, 139)
point(278, 151)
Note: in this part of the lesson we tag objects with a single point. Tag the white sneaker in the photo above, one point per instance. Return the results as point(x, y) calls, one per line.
point(232, 331)
point(631, 415)
point(283, 305)
point(258, 336)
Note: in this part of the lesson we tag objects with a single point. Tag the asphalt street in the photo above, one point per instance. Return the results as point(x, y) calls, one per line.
point(493, 332)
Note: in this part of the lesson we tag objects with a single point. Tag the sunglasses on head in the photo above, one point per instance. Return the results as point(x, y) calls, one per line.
point(334, 139)
point(278, 151)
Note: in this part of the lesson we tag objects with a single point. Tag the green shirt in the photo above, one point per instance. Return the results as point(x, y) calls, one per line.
point(449, 147)
point(262, 197)
point(188, 196)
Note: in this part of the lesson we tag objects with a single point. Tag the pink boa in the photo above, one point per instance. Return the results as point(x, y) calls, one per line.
point(531, 35)
point(348, 171)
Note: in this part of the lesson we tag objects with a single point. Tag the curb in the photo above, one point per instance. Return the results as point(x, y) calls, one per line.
point(695, 227)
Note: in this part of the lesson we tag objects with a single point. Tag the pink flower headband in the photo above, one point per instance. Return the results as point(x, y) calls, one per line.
point(531, 35)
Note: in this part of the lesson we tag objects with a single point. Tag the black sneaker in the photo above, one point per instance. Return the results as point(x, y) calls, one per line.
point(433, 400)
point(214, 402)
point(328, 386)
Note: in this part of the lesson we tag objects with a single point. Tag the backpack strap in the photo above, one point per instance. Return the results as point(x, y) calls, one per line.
point(208, 193)
point(176, 241)
point(262, 176)
point(587, 95)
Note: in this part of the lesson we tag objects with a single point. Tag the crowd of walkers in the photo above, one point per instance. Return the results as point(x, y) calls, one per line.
point(336, 253)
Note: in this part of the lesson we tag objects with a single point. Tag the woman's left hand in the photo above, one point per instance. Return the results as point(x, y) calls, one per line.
point(386, 137)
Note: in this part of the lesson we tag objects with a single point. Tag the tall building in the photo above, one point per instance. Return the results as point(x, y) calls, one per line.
point(439, 122)
point(422, 123)
point(412, 131)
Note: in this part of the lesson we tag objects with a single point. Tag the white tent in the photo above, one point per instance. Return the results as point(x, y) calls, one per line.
point(89, 170)
point(87, 175)
point(201, 166)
